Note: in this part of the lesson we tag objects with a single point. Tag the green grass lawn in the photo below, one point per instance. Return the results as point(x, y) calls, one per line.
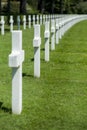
point(58, 99)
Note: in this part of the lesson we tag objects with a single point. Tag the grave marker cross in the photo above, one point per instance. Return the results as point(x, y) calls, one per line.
point(2, 25)
point(53, 34)
point(11, 23)
point(47, 35)
point(15, 61)
point(36, 45)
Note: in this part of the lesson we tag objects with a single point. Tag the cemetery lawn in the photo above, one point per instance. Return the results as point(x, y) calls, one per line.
point(58, 99)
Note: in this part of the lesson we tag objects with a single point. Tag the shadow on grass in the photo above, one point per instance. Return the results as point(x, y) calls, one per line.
point(5, 109)
point(7, 30)
point(43, 49)
point(32, 59)
point(27, 75)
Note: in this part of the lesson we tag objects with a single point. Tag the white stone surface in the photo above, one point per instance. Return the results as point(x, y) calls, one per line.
point(24, 21)
point(33, 20)
point(52, 34)
point(37, 39)
point(57, 29)
point(18, 22)
point(40, 19)
point(11, 23)
point(29, 21)
point(46, 36)
point(15, 61)
point(36, 45)
point(2, 25)
point(44, 19)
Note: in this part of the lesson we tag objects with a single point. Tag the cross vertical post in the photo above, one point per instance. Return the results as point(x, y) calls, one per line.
point(52, 34)
point(11, 23)
point(15, 62)
point(47, 35)
point(36, 45)
point(2, 25)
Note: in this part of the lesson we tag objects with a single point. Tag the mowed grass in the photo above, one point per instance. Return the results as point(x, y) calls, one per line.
point(58, 99)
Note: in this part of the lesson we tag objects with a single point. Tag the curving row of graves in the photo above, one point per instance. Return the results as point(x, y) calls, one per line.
point(31, 20)
point(55, 28)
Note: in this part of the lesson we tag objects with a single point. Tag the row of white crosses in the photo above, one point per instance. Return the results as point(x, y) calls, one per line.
point(2, 23)
point(11, 21)
point(58, 28)
point(37, 19)
point(17, 55)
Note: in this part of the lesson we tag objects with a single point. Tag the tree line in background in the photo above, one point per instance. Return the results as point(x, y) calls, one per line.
point(43, 6)
point(63, 6)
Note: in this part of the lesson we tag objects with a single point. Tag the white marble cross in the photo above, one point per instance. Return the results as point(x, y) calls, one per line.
point(18, 22)
point(11, 23)
point(24, 21)
point(44, 18)
point(62, 26)
point(2, 22)
point(57, 30)
point(40, 19)
point(29, 21)
point(33, 20)
point(60, 29)
point(46, 36)
point(15, 62)
point(52, 34)
point(36, 45)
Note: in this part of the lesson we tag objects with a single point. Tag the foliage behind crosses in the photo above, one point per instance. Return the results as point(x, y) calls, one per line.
point(43, 6)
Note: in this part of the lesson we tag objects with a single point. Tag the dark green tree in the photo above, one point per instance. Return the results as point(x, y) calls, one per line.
point(61, 2)
point(8, 6)
point(23, 6)
point(0, 6)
